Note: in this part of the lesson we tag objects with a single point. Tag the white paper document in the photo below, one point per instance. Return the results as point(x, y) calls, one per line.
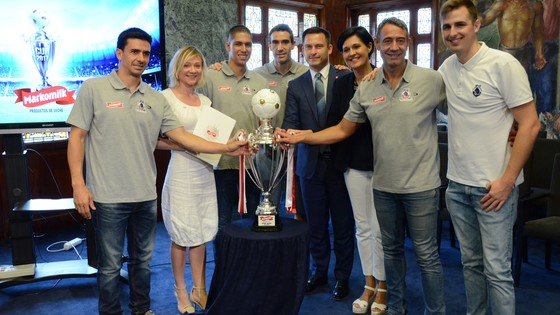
point(213, 126)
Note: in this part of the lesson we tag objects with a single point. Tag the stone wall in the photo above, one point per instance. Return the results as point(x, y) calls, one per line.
point(203, 24)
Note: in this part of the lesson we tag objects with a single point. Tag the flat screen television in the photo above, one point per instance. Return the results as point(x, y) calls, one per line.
point(49, 48)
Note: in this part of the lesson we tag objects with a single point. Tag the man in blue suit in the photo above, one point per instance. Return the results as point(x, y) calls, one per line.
point(324, 191)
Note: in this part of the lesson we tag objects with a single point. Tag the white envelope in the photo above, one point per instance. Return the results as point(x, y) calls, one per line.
point(213, 126)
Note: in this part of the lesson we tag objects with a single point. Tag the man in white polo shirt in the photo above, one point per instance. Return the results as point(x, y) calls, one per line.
point(487, 90)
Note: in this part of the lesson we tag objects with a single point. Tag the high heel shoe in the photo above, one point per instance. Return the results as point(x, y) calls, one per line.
point(360, 306)
point(381, 308)
point(199, 297)
point(189, 309)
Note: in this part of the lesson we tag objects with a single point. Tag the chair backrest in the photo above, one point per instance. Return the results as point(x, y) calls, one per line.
point(539, 170)
point(554, 200)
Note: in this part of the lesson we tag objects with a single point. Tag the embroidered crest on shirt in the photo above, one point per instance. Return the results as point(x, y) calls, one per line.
point(141, 107)
point(246, 90)
point(406, 96)
point(477, 90)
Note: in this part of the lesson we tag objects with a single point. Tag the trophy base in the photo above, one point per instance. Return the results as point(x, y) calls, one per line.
point(267, 223)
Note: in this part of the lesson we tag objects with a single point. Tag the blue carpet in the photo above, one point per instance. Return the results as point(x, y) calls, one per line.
point(539, 292)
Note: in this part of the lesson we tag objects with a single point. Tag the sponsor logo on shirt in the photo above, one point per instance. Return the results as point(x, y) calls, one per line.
point(224, 88)
point(272, 83)
point(379, 99)
point(114, 105)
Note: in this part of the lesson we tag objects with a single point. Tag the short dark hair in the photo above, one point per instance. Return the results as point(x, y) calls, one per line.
point(239, 28)
point(393, 21)
point(360, 32)
point(133, 32)
point(317, 30)
point(451, 5)
point(282, 28)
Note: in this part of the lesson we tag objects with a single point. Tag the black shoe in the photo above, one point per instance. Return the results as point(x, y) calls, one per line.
point(315, 281)
point(340, 289)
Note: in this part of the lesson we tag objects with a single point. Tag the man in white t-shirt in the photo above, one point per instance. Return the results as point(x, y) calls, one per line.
point(487, 90)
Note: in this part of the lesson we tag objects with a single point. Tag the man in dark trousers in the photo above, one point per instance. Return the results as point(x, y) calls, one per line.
point(324, 191)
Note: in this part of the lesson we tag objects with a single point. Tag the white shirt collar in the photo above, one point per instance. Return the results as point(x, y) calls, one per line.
point(324, 72)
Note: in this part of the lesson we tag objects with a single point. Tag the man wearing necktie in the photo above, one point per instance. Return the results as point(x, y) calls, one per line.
point(324, 192)
point(320, 97)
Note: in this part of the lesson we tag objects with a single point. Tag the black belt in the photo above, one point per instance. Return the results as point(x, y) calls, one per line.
point(325, 156)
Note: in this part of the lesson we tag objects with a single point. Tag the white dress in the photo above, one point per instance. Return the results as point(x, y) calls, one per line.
point(188, 202)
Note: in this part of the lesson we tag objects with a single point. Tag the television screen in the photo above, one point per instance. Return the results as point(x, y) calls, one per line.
point(49, 48)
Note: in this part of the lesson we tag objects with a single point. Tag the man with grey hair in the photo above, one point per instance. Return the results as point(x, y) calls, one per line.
point(401, 105)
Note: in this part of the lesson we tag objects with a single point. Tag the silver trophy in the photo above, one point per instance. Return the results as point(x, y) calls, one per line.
point(267, 159)
point(43, 47)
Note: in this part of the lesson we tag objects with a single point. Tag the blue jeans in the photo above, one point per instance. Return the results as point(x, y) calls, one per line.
point(486, 247)
point(421, 213)
point(112, 221)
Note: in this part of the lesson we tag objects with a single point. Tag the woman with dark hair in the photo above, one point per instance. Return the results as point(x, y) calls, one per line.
point(354, 156)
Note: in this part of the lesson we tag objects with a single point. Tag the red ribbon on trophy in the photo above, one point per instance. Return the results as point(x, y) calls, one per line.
point(290, 182)
point(242, 206)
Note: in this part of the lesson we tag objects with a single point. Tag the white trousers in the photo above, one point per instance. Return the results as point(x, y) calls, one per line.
point(368, 234)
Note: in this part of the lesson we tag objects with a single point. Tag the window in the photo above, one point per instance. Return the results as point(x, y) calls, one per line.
point(261, 16)
point(418, 18)
point(363, 21)
point(290, 18)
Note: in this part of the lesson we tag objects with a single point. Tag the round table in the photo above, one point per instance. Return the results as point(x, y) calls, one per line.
point(260, 272)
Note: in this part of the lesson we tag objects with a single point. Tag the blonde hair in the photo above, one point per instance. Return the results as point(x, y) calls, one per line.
point(179, 59)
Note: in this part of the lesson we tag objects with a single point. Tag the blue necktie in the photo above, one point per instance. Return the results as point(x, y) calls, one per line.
point(320, 99)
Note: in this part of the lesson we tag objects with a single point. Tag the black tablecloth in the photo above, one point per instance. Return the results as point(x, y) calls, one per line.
point(260, 272)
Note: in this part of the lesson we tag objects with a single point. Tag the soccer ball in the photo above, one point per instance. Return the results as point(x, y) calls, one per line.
point(266, 103)
point(39, 19)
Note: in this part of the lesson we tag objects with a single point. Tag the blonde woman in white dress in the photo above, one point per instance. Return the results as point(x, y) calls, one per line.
point(189, 205)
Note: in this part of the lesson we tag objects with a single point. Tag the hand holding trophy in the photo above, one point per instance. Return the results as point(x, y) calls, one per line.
point(267, 159)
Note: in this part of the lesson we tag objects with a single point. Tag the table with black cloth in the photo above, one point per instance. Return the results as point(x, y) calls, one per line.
point(260, 272)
